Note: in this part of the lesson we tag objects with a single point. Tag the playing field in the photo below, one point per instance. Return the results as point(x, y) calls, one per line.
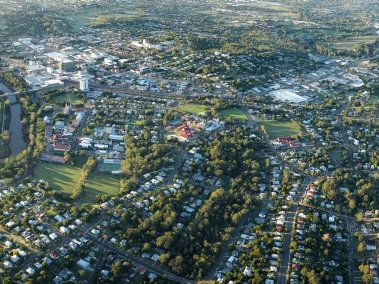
point(192, 108)
point(67, 98)
point(65, 178)
point(351, 43)
point(276, 129)
point(60, 177)
point(233, 113)
point(92, 15)
point(100, 184)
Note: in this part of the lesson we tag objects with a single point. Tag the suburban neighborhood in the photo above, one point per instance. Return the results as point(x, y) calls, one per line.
point(137, 145)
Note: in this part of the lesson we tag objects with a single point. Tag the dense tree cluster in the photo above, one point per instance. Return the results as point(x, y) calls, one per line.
point(34, 133)
point(361, 191)
point(191, 250)
point(141, 157)
point(11, 79)
point(34, 23)
point(87, 169)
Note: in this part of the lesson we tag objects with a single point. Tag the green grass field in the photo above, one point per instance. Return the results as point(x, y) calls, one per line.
point(139, 122)
point(90, 15)
point(65, 178)
point(60, 177)
point(100, 184)
point(276, 129)
point(350, 43)
point(67, 98)
point(192, 108)
point(233, 113)
point(337, 154)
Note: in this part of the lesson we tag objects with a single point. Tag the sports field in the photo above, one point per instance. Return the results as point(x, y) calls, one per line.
point(275, 129)
point(192, 108)
point(67, 98)
point(100, 184)
point(233, 113)
point(65, 178)
point(60, 177)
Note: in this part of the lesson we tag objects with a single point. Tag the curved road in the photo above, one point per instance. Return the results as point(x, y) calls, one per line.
point(153, 268)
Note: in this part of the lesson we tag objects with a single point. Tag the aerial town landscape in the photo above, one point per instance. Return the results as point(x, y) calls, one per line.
point(188, 141)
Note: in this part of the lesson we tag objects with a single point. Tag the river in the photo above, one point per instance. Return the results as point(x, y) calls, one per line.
point(17, 143)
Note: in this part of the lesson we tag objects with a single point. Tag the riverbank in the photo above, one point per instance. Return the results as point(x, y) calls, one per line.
point(17, 143)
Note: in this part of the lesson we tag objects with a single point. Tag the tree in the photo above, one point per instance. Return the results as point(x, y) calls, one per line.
point(177, 264)
point(313, 278)
point(359, 216)
point(165, 241)
point(330, 188)
point(116, 270)
point(368, 276)
point(82, 273)
point(67, 156)
point(361, 247)
point(164, 258)
point(8, 280)
point(352, 204)
point(6, 136)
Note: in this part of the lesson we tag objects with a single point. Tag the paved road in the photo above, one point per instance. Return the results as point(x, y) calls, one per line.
point(153, 268)
point(131, 92)
point(221, 259)
point(291, 214)
point(350, 223)
point(349, 227)
point(94, 273)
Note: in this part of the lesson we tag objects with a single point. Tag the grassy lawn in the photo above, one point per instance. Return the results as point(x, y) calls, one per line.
point(100, 184)
point(192, 108)
point(67, 98)
point(65, 178)
point(350, 43)
point(139, 122)
point(60, 177)
point(337, 154)
point(90, 15)
point(233, 113)
point(276, 129)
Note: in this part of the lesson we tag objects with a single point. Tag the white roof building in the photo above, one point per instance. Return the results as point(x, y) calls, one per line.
point(288, 96)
